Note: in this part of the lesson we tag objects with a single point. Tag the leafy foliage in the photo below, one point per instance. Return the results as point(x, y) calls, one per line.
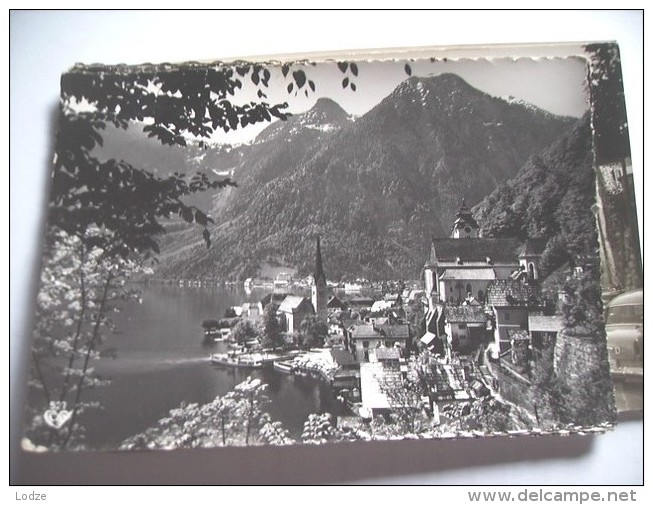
point(404, 396)
point(608, 104)
point(105, 215)
point(243, 331)
point(236, 418)
point(273, 432)
point(80, 288)
point(549, 391)
point(415, 316)
point(312, 332)
point(487, 414)
point(551, 197)
point(270, 328)
point(172, 103)
point(582, 308)
point(320, 429)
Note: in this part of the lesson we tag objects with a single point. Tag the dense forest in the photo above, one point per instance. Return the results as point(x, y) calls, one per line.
point(376, 188)
point(551, 197)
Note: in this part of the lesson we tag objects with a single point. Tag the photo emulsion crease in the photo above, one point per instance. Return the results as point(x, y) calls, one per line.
point(311, 251)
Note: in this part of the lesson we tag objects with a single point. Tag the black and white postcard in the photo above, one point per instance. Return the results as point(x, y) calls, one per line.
point(337, 249)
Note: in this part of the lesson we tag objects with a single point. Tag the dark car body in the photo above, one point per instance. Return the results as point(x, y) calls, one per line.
point(624, 326)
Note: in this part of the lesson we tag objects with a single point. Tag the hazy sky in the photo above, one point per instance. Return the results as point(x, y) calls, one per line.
point(554, 84)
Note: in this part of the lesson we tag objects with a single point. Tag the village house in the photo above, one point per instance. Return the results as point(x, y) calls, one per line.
point(395, 335)
point(544, 330)
point(334, 322)
point(359, 302)
point(393, 315)
point(365, 337)
point(347, 376)
point(393, 298)
point(511, 301)
point(335, 304)
point(361, 337)
point(465, 326)
point(336, 331)
point(251, 310)
point(390, 357)
point(520, 350)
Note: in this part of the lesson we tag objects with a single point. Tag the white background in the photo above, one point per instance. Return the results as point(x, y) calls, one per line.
point(44, 44)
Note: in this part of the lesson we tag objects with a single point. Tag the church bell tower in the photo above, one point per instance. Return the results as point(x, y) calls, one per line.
point(319, 289)
point(465, 226)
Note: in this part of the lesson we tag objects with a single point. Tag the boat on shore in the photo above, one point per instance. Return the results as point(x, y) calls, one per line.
point(287, 366)
point(237, 360)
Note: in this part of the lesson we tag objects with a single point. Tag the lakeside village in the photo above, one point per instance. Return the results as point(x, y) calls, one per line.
point(473, 331)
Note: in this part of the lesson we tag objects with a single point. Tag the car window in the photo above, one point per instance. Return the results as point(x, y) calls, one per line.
point(625, 314)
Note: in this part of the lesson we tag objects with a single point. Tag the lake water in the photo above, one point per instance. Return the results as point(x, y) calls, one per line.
point(161, 361)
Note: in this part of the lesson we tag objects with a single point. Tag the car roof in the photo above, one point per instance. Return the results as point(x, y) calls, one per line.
point(635, 297)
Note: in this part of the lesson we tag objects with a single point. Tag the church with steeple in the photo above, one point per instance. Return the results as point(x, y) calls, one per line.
point(319, 289)
point(465, 226)
point(465, 274)
point(461, 266)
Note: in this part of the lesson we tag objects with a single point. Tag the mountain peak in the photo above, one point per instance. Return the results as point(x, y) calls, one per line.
point(442, 85)
point(326, 115)
point(326, 109)
point(447, 79)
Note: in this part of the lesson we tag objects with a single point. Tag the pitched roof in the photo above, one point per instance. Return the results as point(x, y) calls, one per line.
point(519, 274)
point(349, 322)
point(427, 338)
point(432, 260)
point(538, 322)
point(275, 298)
point(335, 302)
point(394, 330)
point(510, 293)
point(360, 300)
point(465, 314)
point(471, 301)
point(476, 274)
point(364, 331)
point(379, 305)
point(499, 250)
point(291, 303)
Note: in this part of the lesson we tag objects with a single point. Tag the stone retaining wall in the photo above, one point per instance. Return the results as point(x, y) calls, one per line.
point(512, 386)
